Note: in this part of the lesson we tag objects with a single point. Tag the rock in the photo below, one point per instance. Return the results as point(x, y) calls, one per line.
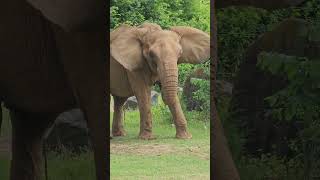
point(132, 102)
point(69, 131)
point(154, 97)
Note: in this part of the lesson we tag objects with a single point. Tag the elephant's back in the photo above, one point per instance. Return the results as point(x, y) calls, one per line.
point(119, 83)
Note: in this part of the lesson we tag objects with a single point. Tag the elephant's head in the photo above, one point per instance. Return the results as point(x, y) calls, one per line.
point(162, 50)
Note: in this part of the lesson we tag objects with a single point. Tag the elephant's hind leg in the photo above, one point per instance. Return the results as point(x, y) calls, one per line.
point(27, 137)
point(117, 125)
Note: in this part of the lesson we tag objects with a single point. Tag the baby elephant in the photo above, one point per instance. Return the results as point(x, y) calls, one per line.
point(145, 54)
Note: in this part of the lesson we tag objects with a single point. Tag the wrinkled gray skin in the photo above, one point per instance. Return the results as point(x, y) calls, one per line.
point(45, 70)
point(145, 54)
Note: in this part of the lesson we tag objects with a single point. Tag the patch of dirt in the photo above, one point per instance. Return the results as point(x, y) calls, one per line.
point(199, 152)
point(159, 149)
point(141, 149)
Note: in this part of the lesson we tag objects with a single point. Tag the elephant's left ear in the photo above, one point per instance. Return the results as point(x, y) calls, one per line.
point(195, 44)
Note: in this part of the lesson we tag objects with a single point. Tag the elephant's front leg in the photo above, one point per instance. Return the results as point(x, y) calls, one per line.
point(84, 61)
point(117, 124)
point(143, 93)
point(179, 120)
point(27, 137)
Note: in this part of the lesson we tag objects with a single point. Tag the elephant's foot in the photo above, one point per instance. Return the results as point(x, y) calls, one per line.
point(120, 132)
point(183, 134)
point(146, 135)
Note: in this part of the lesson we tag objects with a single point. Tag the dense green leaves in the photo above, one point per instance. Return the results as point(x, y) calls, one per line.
point(299, 100)
point(298, 103)
point(239, 27)
point(302, 92)
point(166, 13)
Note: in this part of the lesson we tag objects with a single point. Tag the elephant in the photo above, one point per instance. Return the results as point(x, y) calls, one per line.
point(52, 61)
point(140, 56)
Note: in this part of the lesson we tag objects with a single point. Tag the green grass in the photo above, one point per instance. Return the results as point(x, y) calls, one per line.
point(131, 158)
point(71, 167)
point(6, 125)
point(4, 167)
point(165, 157)
point(60, 167)
point(64, 166)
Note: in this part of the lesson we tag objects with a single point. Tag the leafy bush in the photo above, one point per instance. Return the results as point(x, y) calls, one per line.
point(239, 27)
point(270, 167)
point(166, 13)
point(299, 101)
point(202, 95)
point(302, 93)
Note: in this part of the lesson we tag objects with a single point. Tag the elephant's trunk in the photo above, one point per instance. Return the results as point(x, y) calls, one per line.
point(169, 81)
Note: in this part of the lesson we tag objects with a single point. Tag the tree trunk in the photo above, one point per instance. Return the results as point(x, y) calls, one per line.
point(223, 165)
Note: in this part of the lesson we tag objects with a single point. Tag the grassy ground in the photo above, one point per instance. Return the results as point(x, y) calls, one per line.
point(165, 157)
point(131, 158)
point(64, 166)
point(6, 126)
point(60, 167)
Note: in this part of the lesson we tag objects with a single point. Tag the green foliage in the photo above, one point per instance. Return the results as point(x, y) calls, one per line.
point(162, 111)
point(270, 167)
point(166, 13)
point(299, 100)
point(239, 27)
point(202, 95)
point(234, 135)
point(65, 166)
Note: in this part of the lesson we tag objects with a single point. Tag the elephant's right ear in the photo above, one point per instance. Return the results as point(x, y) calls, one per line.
point(118, 31)
point(126, 47)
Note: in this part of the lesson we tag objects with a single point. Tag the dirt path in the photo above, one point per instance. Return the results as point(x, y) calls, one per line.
point(157, 149)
